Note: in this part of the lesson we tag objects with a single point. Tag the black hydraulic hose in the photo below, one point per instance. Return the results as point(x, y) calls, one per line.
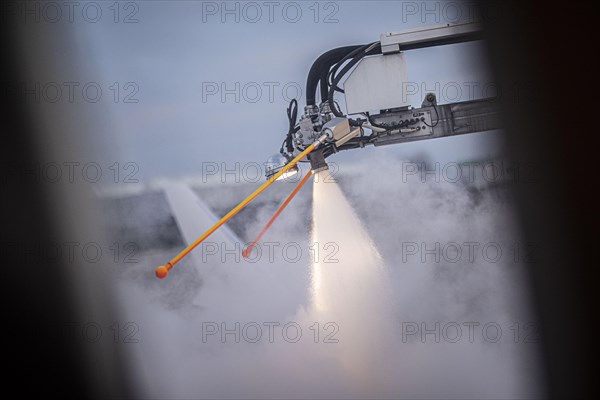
point(333, 71)
point(324, 85)
point(321, 66)
point(336, 79)
point(326, 71)
point(292, 113)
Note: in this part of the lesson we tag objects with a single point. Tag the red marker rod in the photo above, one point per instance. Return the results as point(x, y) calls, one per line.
point(248, 250)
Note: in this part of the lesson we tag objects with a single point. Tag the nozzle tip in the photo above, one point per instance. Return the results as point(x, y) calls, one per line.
point(161, 272)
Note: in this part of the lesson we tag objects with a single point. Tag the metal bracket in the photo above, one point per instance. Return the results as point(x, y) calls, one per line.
point(394, 42)
point(444, 120)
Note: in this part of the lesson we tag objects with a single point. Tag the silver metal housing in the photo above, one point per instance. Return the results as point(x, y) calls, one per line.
point(338, 130)
point(377, 83)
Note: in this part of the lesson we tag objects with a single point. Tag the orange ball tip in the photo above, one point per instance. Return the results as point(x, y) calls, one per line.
point(161, 272)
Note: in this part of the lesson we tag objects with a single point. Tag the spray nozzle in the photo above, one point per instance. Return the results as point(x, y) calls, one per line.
point(317, 161)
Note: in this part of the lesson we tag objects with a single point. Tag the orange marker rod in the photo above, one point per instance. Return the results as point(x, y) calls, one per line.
point(248, 250)
point(162, 271)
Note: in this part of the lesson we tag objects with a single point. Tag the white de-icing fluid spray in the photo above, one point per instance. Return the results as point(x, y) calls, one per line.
point(350, 288)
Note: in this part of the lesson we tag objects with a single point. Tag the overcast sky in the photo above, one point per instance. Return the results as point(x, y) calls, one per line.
point(179, 53)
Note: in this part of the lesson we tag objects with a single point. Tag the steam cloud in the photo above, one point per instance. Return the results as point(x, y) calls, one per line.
point(370, 295)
